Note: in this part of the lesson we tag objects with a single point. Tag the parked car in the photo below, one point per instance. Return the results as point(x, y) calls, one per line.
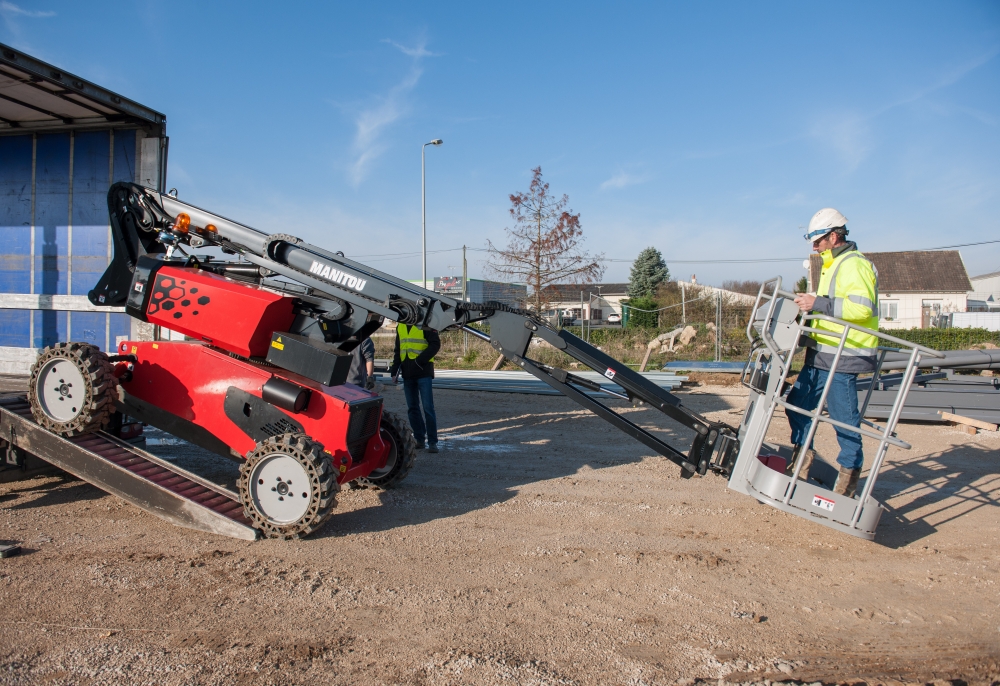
point(614, 318)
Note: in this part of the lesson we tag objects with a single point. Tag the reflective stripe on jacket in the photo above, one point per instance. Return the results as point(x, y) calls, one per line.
point(411, 342)
point(849, 286)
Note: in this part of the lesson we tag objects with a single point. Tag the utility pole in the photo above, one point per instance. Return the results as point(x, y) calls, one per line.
point(683, 306)
point(465, 292)
point(423, 203)
point(718, 326)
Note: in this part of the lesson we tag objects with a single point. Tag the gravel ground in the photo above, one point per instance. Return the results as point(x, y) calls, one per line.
point(539, 547)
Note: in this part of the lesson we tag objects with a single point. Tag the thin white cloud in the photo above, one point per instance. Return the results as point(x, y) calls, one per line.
point(849, 134)
point(417, 52)
point(372, 122)
point(621, 180)
point(11, 8)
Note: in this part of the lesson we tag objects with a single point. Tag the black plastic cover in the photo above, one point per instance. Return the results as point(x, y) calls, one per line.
point(142, 286)
point(308, 357)
point(285, 394)
point(257, 419)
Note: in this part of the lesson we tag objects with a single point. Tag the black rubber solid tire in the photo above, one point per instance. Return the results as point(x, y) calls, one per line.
point(101, 391)
point(322, 485)
point(398, 435)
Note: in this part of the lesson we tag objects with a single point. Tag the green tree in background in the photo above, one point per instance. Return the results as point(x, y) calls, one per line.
point(801, 286)
point(648, 272)
point(640, 319)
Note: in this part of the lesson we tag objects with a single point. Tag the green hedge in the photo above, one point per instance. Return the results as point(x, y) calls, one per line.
point(946, 339)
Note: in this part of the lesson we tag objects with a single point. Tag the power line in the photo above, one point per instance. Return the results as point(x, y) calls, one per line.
point(401, 255)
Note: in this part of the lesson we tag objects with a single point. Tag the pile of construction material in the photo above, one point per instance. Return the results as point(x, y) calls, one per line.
point(939, 393)
point(523, 382)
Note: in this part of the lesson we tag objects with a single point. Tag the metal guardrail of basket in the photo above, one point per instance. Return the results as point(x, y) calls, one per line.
point(775, 329)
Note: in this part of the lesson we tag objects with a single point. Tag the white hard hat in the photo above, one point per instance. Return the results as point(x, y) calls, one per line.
point(823, 222)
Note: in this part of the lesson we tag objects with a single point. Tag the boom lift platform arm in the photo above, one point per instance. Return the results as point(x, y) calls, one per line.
point(341, 301)
point(263, 380)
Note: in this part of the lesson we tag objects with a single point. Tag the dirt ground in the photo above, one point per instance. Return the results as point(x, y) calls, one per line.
point(540, 546)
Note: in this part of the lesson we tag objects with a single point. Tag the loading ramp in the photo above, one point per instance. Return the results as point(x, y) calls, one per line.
point(150, 483)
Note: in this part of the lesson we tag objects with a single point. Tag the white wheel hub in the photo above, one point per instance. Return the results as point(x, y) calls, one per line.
point(61, 390)
point(279, 487)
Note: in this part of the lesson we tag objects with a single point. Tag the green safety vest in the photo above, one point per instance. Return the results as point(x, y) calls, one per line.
point(851, 283)
point(411, 342)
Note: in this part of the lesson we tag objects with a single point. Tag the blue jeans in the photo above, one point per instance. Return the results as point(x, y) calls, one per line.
point(417, 392)
point(841, 404)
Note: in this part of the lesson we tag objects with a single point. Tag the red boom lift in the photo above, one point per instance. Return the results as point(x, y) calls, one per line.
point(262, 380)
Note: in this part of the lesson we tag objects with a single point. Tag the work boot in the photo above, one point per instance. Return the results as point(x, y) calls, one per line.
point(420, 445)
point(432, 448)
point(807, 460)
point(847, 482)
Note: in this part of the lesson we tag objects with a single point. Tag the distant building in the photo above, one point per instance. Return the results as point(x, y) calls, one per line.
point(985, 293)
point(593, 301)
point(915, 288)
point(478, 290)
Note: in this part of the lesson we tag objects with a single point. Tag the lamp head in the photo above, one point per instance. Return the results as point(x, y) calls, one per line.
point(436, 141)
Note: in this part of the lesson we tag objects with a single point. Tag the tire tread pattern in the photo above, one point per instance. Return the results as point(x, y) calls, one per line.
point(404, 463)
point(101, 392)
point(322, 485)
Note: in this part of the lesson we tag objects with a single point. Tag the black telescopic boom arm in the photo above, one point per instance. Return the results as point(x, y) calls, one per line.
point(353, 299)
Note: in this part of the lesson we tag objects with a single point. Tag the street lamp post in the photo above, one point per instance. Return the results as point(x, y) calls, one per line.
point(423, 202)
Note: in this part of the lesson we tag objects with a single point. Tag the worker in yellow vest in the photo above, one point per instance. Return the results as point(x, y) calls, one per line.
point(414, 357)
point(848, 290)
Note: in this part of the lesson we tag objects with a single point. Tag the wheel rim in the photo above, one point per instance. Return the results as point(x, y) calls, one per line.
point(61, 390)
point(280, 488)
point(390, 461)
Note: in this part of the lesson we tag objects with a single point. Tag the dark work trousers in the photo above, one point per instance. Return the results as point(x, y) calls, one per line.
point(418, 392)
point(841, 404)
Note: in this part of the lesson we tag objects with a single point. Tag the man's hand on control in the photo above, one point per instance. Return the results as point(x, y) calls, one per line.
point(805, 301)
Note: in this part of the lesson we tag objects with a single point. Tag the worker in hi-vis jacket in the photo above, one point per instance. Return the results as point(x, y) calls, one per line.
point(414, 356)
point(847, 290)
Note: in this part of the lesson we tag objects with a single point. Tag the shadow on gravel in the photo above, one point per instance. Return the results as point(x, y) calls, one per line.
point(56, 492)
point(929, 492)
point(487, 461)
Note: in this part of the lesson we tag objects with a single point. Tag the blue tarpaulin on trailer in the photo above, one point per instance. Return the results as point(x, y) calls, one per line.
point(63, 142)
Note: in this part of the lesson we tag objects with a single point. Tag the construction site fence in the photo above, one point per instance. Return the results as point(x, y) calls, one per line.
point(460, 350)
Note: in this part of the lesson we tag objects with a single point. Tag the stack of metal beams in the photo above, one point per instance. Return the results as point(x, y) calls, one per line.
point(940, 389)
point(523, 382)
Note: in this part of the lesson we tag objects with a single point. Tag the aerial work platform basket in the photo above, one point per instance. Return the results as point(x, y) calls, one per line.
point(775, 329)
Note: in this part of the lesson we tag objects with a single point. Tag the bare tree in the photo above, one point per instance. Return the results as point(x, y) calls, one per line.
point(544, 247)
point(744, 287)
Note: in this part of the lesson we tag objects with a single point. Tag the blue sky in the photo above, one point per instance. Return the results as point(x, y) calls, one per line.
point(711, 131)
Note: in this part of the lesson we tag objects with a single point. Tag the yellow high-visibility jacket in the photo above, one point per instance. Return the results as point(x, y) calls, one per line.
point(848, 290)
point(412, 342)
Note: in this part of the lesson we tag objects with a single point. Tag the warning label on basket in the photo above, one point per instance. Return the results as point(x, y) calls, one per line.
point(823, 503)
point(610, 373)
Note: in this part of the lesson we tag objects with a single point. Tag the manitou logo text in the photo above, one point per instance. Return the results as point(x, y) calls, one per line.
point(336, 276)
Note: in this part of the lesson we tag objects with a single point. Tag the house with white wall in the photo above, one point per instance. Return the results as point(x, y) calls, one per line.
point(592, 301)
point(985, 293)
point(914, 287)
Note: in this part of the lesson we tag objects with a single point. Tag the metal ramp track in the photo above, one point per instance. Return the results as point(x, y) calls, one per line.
point(148, 482)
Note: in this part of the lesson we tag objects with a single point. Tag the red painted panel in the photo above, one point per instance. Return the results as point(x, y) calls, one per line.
point(230, 315)
point(190, 380)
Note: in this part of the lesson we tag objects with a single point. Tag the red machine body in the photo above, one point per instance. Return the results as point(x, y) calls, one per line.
point(216, 383)
point(234, 316)
point(193, 382)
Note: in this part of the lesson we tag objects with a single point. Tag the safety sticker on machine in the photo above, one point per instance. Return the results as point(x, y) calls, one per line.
point(823, 503)
point(610, 373)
